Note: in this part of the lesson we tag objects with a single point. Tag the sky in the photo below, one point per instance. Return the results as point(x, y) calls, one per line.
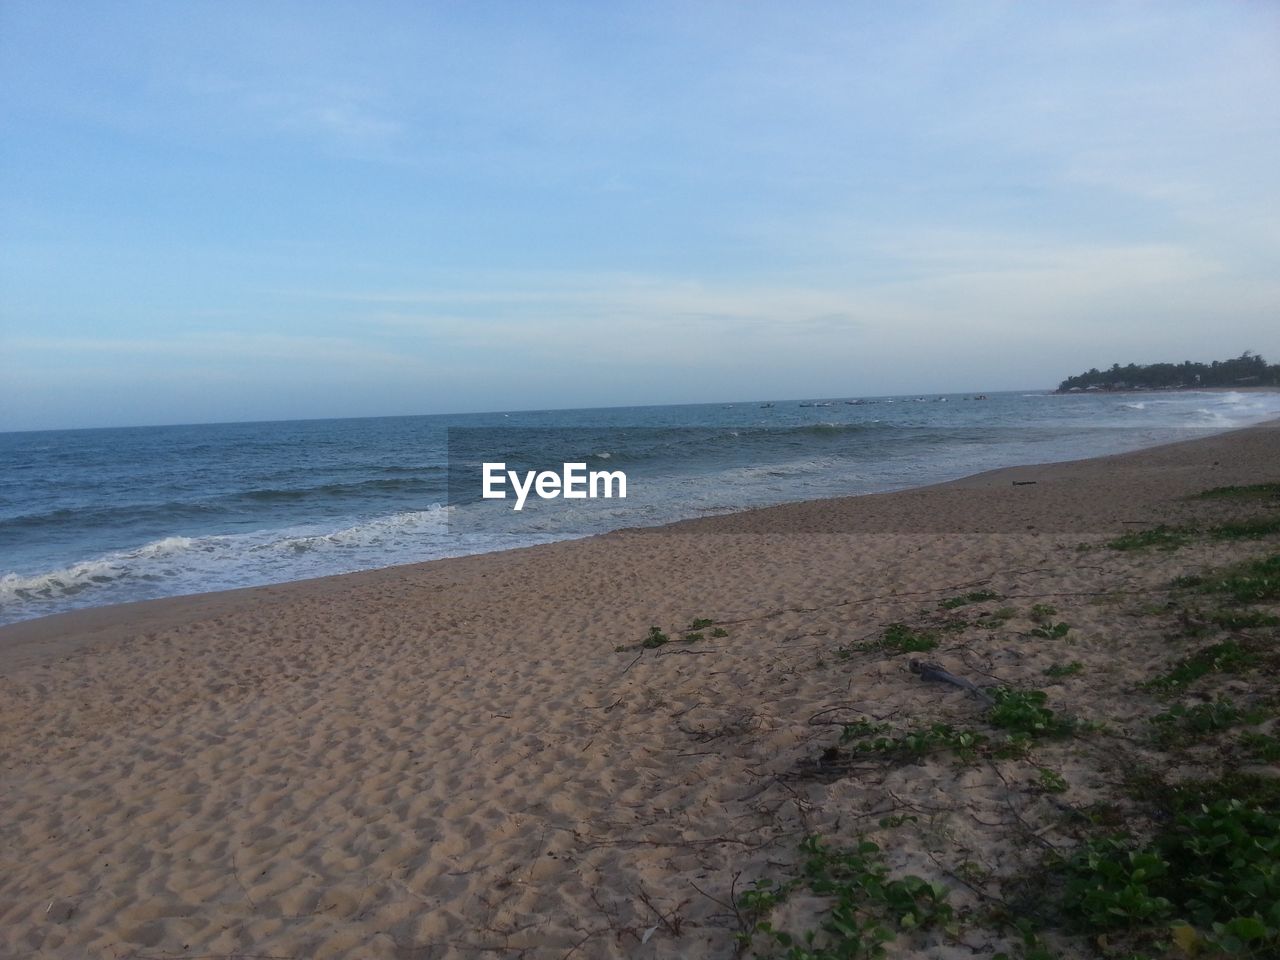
point(242, 211)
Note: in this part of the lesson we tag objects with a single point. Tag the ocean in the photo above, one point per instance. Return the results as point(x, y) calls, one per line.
point(93, 517)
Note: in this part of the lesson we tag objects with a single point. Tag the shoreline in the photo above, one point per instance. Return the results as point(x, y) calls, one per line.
point(83, 625)
point(482, 756)
point(276, 543)
point(67, 631)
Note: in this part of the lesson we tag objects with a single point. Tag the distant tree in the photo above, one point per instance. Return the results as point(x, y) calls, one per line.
point(1248, 369)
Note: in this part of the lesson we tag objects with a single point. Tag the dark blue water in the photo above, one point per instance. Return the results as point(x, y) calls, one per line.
point(90, 517)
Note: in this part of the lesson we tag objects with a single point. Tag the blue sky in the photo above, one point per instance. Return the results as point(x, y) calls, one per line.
point(226, 211)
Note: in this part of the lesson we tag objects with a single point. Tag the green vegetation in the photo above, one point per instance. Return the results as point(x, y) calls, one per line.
point(900, 638)
point(861, 728)
point(912, 744)
point(977, 596)
point(1161, 538)
point(1051, 781)
point(1243, 619)
point(1165, 537)
point(996, 618)
point(1022, 712)
point(1248, 369)
point(1197, 877)
point(1064, 669)
point(864, 908)
point(1169, 800)
point(1032, 947)
point(1208, 879)
point(655, 638)
point(1176, 726)
point(1254, 528)
point(1051, 631)
point(1212, 878)
point(1261, 746)
point(1226, 657)
point(1250, 581)
point(1110, 885)
point(690, 634)
point(1254, 491)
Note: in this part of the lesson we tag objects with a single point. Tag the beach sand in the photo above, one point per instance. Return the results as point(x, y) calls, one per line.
point(454, 759)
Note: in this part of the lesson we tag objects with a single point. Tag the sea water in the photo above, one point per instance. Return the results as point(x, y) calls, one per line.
point(91, 517)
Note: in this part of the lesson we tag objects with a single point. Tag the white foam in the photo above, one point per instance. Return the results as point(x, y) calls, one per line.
point(179, 564)
point(168, 546)
point(370, 533)
point(99, 571)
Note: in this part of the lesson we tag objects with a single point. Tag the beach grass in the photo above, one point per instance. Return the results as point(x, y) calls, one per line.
point(1248, 581)
point(1245, 492)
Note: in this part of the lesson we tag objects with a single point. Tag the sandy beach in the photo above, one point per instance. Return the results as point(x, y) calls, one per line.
point(477, 757)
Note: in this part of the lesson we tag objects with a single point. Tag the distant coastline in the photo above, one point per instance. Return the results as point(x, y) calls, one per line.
point(1249, 370)
point(1238, 388)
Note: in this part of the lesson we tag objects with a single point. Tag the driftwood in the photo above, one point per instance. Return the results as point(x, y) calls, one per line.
point(931, 671)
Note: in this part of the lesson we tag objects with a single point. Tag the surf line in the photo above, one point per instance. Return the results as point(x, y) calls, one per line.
point(573, 482)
